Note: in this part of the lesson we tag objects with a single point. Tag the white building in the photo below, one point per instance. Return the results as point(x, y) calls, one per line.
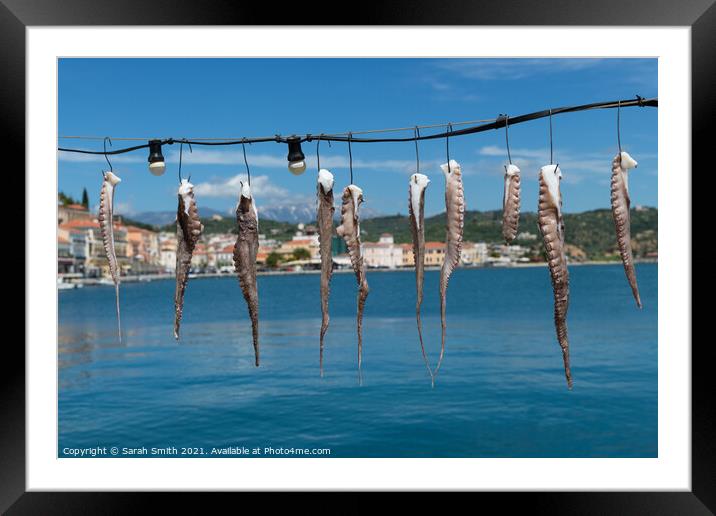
point(168, 251)
point(384, 253)
point(474, 253)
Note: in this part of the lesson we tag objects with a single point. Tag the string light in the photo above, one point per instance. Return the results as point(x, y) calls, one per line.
point(156, 159)
point(296, 158)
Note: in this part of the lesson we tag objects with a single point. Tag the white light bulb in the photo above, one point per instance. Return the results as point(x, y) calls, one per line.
point(297, 167)
point(157, 168)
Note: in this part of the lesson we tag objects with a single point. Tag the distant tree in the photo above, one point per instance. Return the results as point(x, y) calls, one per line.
point(301, 254)
point(65, 199)
point(85, 198)
point(273, 259)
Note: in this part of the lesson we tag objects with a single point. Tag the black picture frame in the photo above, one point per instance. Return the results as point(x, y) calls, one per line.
point(700, 15)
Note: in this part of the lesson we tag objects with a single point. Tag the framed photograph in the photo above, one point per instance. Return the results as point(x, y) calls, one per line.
point(448, 250)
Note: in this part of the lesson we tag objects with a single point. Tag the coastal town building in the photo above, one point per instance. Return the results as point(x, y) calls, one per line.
point(474, 253)
point(408, 259)
point(80, 250)
point(306, 237)
point(167, 251)
point(70, 212)
point(95, 262)
point(65, 260)
point(383, 253)
point(434, 254)
point(142, 245)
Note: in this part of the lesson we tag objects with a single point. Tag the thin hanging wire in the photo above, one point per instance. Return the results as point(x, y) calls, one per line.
point(619, 132)
point(107, 138)
point(507, 139)
point(551, 152)
point(417, 153)
point(318, 152)
point(350, 155)
point(447, 146)
point(246, 162)
point(181, 149)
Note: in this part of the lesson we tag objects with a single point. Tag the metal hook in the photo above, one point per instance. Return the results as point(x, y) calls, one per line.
point(246, 162)
point(318, 151)
point(350, 155)
point(181, 149)
point(551, 158)
point(447, 145)
point(619, 136)
point(104, 143)
point(417, 154)
point(507, 138)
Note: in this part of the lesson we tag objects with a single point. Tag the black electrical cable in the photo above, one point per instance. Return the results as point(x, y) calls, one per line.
point(496, 124)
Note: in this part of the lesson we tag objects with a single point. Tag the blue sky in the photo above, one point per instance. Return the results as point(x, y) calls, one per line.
point(258, 97)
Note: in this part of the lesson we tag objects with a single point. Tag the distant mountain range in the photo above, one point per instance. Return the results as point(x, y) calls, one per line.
point(162, 218)
point(291, 213)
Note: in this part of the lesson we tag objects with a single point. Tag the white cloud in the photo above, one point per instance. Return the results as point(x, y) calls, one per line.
point(494, 150)
point(261, 187)
point(575, 166)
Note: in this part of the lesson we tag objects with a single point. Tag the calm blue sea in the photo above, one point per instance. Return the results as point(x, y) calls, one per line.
point(501, 391)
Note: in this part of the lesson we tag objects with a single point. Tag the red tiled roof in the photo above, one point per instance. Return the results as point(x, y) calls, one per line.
point(80, 223)
point(434, 245)
point(135, 229)
point(88, 223)
point(76, 207)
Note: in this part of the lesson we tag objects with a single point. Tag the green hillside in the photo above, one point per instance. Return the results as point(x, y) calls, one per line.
point(589, 235)
point(591, 232)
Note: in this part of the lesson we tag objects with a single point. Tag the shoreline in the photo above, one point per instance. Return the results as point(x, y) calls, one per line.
point(171, 276)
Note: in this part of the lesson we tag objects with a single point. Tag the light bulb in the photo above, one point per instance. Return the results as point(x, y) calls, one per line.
point(297, 167)
point(156, 159)
point(157, 168)
point(296, 159)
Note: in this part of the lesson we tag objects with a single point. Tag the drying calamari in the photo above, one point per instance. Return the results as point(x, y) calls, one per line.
point(106, 224)
point(621, 203)
point(416, 208)
point(349, 230)
point(188, 230)
point(511, 203)
point(455, 214)
point(551, 225)
point(325, 235)
point(245, 250)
